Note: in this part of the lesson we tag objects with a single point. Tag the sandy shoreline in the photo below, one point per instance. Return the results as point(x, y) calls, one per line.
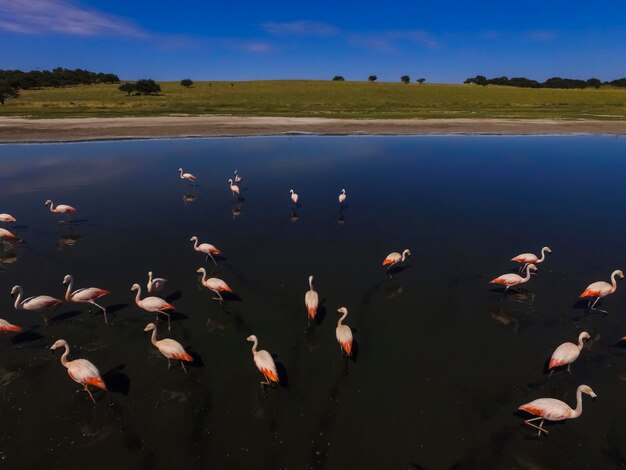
point(18, 130)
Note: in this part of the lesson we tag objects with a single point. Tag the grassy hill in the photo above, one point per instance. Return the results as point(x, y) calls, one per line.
point(323, 99)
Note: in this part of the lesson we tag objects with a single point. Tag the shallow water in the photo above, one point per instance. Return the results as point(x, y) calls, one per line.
point(443, 359)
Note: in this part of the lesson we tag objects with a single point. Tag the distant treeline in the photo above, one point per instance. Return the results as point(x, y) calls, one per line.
point(56, 78)
point(554, 82)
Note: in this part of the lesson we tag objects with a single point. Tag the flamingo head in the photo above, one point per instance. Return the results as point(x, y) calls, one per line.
point(201, 270)
point(311, 279)
point(47, 203)
point(342, 310)
point(150, 327)
point(291, 191)
point(620, 274)
point(587, 389)
point(546, 249)
point(15, 290)
point(180, 169)
point(251, 338)
point(584, 335)
point(230, 181)
point(67, 279)
point(407, 252)
point(532, 267)
point(135, 287)
point(59, 344)
point(193, 239)
point(343, 191)
point(235, 171)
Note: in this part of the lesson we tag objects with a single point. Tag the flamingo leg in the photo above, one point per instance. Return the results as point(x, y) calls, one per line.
point(182, 364)
point(106, 322)
point(169, 364)
point(90, 395)
point(214, 262)
point(219, 296)
point(539, 428)
point(168, 321)
point(594, 304)
point(569, 370)
point(45, 319)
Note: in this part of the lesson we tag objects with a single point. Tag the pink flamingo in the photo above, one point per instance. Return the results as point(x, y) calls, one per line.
point(238, 179)
point(170, 348)
point(567, 353)
point(86, 295)
point(205, 248)
point(344, 333)
point(60, 208)
point(311, 299)
point(80, 370)
point(601, 289)
point(510, 280)
point(294, 197)
point(234, 188)
point(155, 285)
point(394, 258)
point(6, 326)
point(153, 304)
point(264, 362)
point(214, 284)
point(530, 258)
point(555, 410)
point(36, 304)
point(187, 176)
point(4, 233)
point(342, 197)
point(6, 218)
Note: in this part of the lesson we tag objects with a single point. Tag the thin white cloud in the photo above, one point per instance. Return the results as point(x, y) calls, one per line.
point(387, 41)
point(300, 28)
point(540, 36)
point(248, 46)
point(62, 17)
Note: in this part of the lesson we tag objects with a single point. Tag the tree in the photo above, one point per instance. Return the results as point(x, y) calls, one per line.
point(187, 82)
point(405, 79)
point(372, 78)
point(420, 80)
point(127, 88)
point(338, 78)
point(147, 86)
point(594, 82)
point(7, 91)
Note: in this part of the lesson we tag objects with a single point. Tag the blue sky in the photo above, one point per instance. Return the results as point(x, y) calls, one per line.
point(444, 41)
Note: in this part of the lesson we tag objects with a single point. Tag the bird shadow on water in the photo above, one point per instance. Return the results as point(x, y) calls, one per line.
point(321, 313)
point(116, 381)
point(283, 377)
point(395, 270)
point(174, 297)
point(64, 316)
point(197, 359)
point(27, 336)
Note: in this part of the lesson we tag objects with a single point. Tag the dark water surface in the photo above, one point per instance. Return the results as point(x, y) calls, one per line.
point(443, 360)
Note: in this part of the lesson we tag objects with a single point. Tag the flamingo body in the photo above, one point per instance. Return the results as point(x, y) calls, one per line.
point(170, 348)
point(343, 333)
point(155, 285)
point(206, 248)
point(294, 196)
point(186, 176)
point(6, 326)
point(567, 353)
point(4, 233)
point(233, 187)
point(510, 280)
point(7, 218)
point(601, 289)
point(60, 208)
point(311, 300)
point(152, 304)
point(214, 284)
point(264, 362)
point(394, 258)
point(80, 370)
point(342, 196)
point(531, 258)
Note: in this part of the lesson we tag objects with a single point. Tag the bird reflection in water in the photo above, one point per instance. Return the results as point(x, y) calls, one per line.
point(189, 198)
point(69, 239)
point(294, 215)
point(8, 257)
point(236, 210)
point(504, 318)
point(393, 289)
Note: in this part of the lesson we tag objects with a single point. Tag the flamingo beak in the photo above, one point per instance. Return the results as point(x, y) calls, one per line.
point(593, 395)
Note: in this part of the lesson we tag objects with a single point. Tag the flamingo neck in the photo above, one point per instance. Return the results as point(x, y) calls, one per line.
point(579, 405)
point(613, 281)
point(18, 299)
point(64, 360)
point(580, 342)
point(543, 255)
point(154, 338)
point(137, 297)
point(254, 345)
point(68, 293)
point(343, 317)
point(311, 283)
point(181, 173)
point(527, 274)
point(195, 244)
point(51, 206)
point(203, 277)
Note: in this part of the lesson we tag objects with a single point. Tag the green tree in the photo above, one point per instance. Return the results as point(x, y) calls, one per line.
point(372, 78)
point(127, 88)
point(187, 82)
point(405, 79)
point(338, 78)
point(594, 82)
point(7, 91)
point(147, 86)
point(420, 80)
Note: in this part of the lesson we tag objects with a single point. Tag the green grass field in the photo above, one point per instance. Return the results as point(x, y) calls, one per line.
point(323, 99)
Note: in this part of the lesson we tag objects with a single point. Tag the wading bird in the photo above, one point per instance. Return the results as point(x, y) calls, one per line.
point(60, 208)
point(394, 258)
point(80, 370)
point(344, 333)
point(264, 362)
point(311, 300)
point(87, 295)
point(567, 353)
point(554, 410)
point(510, 280)
point(342, 197)
point(155, 285)
point(214, 284)
point(601, 289)
point(294, 197)
point(35, 303)
point(530, 258)
point(6, 326)
point(6, 218)
point(152, 304)
point(4, 233)
point(170, 348)
point(187, 176)
point(234, 189)
point(206, 248)
point(238, 179)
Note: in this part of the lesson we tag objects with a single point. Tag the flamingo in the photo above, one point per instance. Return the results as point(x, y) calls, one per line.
point(214, 284)
point(264, 362)
point(80, 370)
point(206, 248)
point(234, 188)
point(187, 176)
point(567, 353)
point(153, 304)
point(238, 179)
point(342, 197)
point(4, 233)
point(294, 197)
point(394, 258)
point(555, 410)
point(344, 333)
point(311, 300)
point(60, 208)
point(602, 289)
point(6, 326)
point(6, 218)
point(530, 258)
point(155, 285)
point(170, 348)
point(510, 280)
point(86, 295)
point(36, 304)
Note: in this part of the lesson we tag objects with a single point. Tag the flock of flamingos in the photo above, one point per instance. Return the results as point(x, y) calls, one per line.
point(85, 373)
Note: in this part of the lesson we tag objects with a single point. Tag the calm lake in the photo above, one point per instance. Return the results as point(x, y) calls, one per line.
point(443, 360)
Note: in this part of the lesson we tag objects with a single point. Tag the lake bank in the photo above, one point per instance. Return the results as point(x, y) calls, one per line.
point(19, 130)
